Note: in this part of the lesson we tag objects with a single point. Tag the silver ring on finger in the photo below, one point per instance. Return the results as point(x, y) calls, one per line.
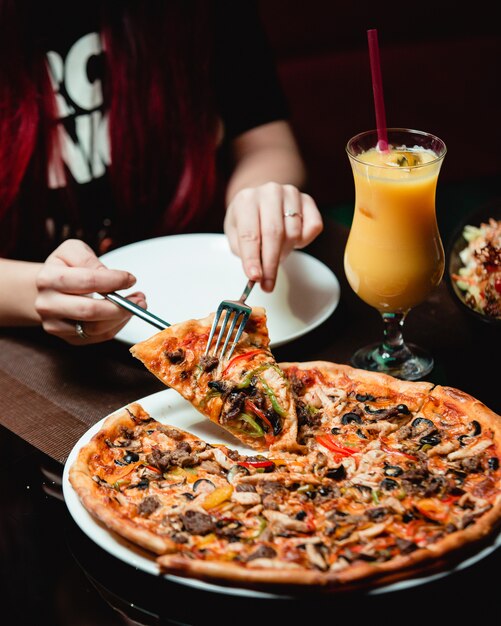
point(292, 213)
point(79, 330)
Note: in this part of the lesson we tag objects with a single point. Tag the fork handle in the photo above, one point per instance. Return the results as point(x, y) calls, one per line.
point(136, 310)
point(247, 290)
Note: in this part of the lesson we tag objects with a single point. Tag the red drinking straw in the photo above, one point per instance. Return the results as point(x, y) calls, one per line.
point(377, 88)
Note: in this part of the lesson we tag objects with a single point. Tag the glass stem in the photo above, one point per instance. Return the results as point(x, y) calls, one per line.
point(393, 342)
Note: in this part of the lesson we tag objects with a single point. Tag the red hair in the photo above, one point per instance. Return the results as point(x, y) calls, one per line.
point(162, 120)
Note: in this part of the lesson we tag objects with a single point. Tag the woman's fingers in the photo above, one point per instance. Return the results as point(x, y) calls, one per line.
point(74, 268)
point(81, 280)
point(293, 219)
point(270, 204)
point(243, 229)
point(65, 283)
point(104, 323)
point(265, 223)
point(312, 224)
point(74, 253)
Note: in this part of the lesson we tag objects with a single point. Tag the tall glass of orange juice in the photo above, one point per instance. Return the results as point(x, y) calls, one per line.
point(394, 256)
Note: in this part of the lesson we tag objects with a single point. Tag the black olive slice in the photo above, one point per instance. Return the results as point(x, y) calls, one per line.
point(131, 457)
point(218, 385)
point(421, 420)
point(462, 439)
point(337, 473)
point(431, 440)
point(203, 483)
point(363, 488)
point(365, 397)
point(388, 484)
point(477, 429)
point(493, 463)
point(142, 484)
point(393, 470)
point(236, 470)
point(368, 409)
point(350, 417)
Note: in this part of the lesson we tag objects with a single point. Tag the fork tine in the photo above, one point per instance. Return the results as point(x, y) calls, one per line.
point(213, 330)
point(236, 315)
point(245, 317)
point(236, 308)
point(222, 329)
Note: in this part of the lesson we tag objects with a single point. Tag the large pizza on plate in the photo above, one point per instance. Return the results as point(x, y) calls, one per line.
point(351, 479)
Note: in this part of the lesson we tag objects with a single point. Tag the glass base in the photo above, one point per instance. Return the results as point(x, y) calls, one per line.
point(409, 363)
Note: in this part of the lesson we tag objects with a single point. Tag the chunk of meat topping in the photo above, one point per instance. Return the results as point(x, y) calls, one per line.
point(197, 523)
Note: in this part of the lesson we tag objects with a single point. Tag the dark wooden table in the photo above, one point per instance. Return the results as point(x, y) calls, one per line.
point(52, 393)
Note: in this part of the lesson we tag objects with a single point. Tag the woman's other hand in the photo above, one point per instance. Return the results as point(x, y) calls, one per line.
point(265, 220)
point(64, 285)
point(263, 224)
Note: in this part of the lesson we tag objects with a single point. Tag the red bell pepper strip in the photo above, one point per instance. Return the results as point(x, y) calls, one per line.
point(256, 464)
point(250, 406)
point(331, 444)
point(239, 357)
point(391, 450)
point(450, 499)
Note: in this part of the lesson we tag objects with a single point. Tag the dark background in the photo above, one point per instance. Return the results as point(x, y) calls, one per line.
point(440, 66)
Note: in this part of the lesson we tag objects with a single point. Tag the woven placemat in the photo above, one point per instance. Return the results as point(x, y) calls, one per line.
point(52, 392)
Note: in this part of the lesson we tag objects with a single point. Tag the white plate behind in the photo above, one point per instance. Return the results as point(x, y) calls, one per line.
point(187, 276)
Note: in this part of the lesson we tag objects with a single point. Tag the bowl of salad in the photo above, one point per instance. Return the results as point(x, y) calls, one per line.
point(474, 264)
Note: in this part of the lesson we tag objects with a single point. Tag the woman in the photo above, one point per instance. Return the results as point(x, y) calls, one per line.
point(121, 121)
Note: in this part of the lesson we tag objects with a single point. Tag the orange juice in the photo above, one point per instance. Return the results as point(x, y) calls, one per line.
point(394, 255)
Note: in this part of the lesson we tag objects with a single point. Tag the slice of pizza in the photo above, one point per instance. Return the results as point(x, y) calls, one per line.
point(248, 395)
point(344, 408)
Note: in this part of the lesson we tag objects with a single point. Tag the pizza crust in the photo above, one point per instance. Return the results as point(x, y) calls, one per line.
point(100, 504)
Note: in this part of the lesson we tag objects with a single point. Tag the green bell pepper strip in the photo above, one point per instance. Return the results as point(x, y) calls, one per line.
point(246, 381)
point(273, 398)
point(256, 431)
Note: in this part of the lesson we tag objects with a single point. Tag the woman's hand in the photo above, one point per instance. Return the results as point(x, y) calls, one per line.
point(263, 224)
point(67, 278)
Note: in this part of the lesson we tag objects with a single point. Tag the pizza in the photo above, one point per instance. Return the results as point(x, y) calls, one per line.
point(377, 480)
point(248, 395)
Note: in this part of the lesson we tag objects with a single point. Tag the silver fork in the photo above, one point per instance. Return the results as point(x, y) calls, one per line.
point(240, 311)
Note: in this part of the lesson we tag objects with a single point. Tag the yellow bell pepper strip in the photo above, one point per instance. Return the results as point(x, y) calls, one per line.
point(331, 444)
point(239, 357)
point(122, 482)
point(206, 540)
point(218, 496)
point(433, 509)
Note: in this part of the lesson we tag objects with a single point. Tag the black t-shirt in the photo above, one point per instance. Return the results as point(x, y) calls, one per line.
point(247, 89)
